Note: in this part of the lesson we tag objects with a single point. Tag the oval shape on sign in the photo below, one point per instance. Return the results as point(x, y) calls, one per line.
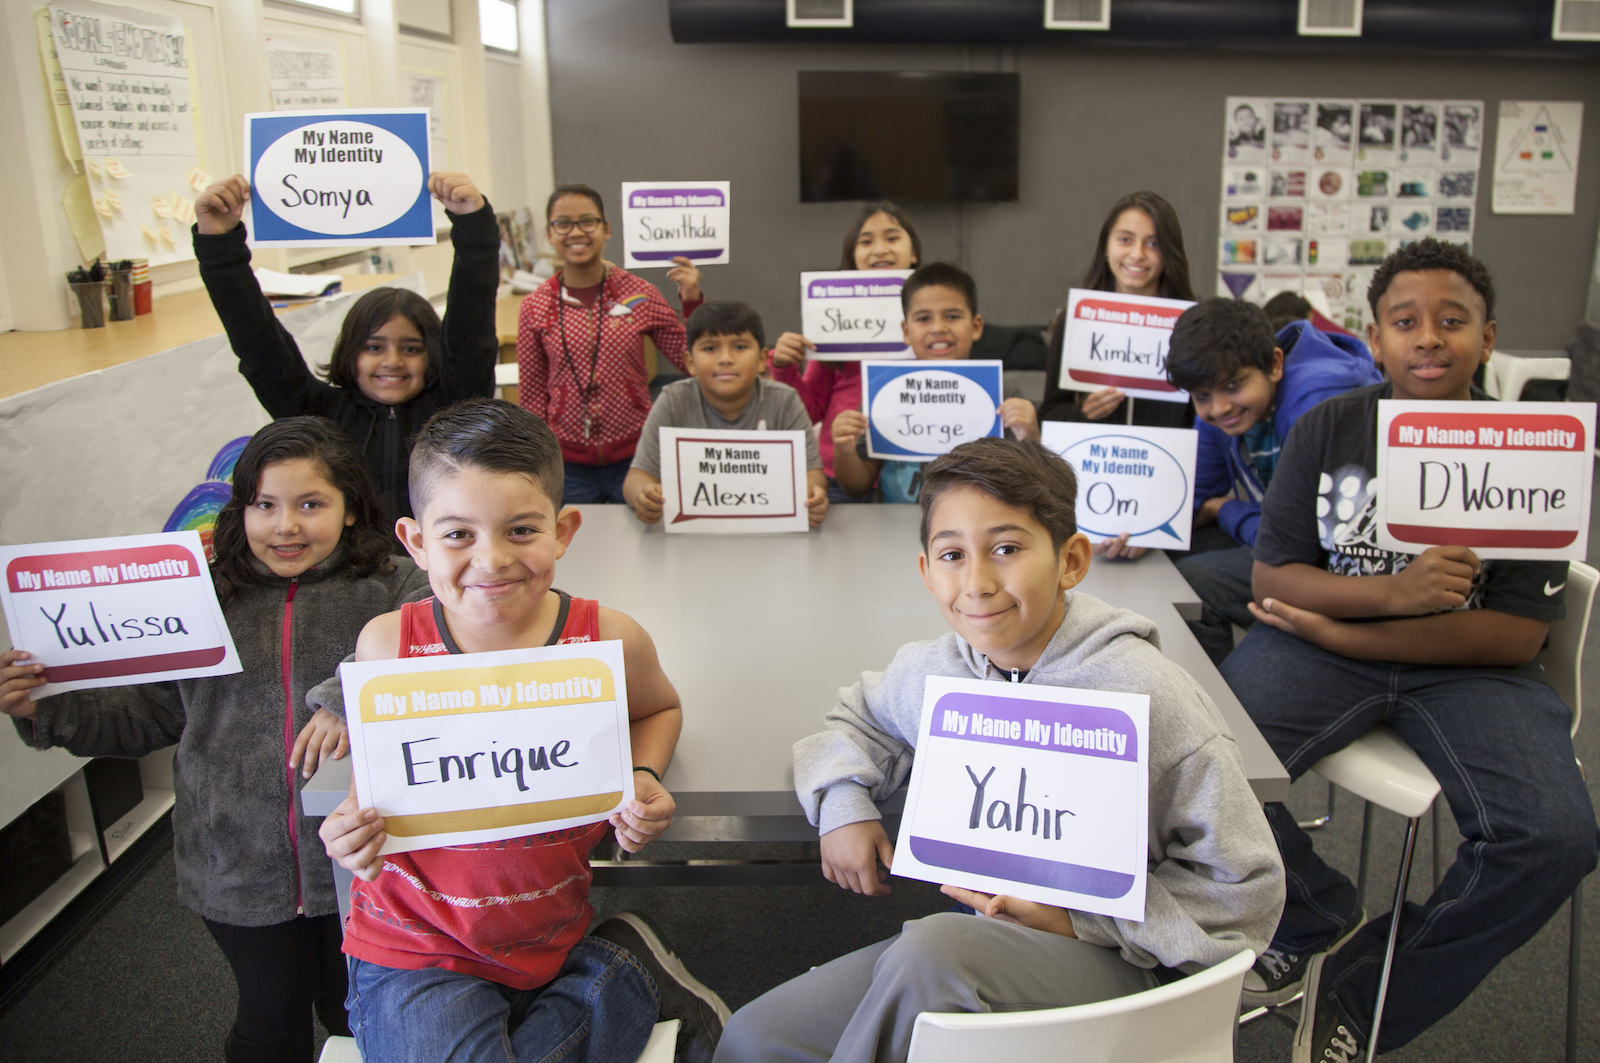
point(930, 411)
point(359, 177)
point(1127, 484)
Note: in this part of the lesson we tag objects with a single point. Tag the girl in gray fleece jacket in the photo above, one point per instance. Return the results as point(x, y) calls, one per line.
point(302, 562)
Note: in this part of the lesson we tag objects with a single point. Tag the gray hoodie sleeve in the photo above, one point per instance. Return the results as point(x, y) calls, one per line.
point(111, 722)
point(843, 771)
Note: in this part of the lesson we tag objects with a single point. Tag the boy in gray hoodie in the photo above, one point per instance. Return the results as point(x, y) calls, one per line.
point(1000, 549)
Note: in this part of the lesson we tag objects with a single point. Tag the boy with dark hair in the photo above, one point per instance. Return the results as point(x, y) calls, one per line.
point(1440, 647)
point(940, 302)
point(726, 390)
point(464, 951)
point(1000, 551)
point(1249, 387)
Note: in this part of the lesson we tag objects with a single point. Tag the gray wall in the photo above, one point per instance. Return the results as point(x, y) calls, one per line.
point(629, 104)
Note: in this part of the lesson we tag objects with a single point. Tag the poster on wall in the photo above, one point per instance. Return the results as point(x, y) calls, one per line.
point(303, 73)
point(1536, 157)
point(1339, 185)
point(127, 78)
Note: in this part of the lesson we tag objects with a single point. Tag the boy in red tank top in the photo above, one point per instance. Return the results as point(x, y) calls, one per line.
point(460, 949)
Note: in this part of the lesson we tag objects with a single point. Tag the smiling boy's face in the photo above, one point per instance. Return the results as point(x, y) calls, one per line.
point(1431, 334)
point(726, 368)
point(939, 324)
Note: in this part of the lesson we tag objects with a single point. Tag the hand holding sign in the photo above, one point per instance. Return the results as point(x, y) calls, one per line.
point(19, 678)
point(456, 191)
point(851, 855)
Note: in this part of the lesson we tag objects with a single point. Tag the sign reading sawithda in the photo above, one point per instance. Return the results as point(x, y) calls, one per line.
point(1035, 792)
point(663, 220)
point(1505, 479)
point(850, 314)
point(1119, 341)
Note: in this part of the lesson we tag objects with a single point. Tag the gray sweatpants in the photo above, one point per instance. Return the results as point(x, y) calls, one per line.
point(862, 1007)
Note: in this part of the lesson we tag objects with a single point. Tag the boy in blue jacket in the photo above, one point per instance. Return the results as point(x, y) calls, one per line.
point(1249, 387)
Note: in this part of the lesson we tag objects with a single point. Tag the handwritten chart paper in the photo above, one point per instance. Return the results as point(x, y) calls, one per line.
point(110, 612)
point(338, 178)
point(726, 482)
point(1506, 479)
point(919, 410)
point(1119, 341)
point(663, 220)
point(1034, 792)
point(851, 314)
point(477, 747)
point(1130, 479)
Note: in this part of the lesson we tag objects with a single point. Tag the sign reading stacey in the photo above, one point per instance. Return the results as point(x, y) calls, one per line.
point(1119, 341)
point(1506, 479)
point(335, 178)
point(918, 410)
point(851, 314)
point(478, 747)
point(109, 612)
point(1130, 479)
point(720, 481)
point(663, 220)
point(1035, 792)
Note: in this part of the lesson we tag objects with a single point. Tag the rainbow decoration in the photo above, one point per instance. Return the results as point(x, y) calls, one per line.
point(199, 508)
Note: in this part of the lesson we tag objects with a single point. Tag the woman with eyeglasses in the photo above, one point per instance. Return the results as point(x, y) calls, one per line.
point(580, 347)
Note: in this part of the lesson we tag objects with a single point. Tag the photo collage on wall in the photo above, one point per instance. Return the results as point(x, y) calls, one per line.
point(1315, 192)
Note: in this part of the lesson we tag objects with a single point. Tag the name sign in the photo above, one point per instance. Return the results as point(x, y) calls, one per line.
point(478, 747)
point(850, 314)
point(1034, 792)
point(918, 410)
point(111, 612)
point(337, 178)
point(1119, 341)
point(721, 481)
point(1506, 479)
point(663, 220)
point(1130, 479)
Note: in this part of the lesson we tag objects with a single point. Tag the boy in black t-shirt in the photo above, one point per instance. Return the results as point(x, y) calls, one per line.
point(1440, 646)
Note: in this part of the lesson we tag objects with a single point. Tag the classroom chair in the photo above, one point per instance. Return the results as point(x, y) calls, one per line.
point(1382, 770)
point(1508, 371)
point(1193, 1018)
point(659, 1049)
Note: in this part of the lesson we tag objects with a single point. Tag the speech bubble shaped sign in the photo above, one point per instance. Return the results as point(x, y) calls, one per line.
point(919, 410)
point(1134, 480)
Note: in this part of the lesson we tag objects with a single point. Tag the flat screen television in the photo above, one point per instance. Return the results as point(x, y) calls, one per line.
point(928, 137)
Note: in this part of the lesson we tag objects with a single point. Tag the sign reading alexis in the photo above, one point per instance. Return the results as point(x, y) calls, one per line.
point(1036, 792)
point(1506, 479)
point(1130, 479)
point(918, 410)
point(109, 612)
point(718, 481)
point(332, 178)
point(663, 220)
point(851, 314)
point(1119, 341)
point(478, 747)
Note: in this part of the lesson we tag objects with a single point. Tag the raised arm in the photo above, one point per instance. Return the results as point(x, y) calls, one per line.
point(471, 340)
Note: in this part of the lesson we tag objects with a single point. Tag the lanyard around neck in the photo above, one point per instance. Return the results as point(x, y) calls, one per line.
point(586, 390)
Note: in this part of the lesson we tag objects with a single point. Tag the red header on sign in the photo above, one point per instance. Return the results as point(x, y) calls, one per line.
point(1116, 312)
point(1485, 429)
point(100, 568)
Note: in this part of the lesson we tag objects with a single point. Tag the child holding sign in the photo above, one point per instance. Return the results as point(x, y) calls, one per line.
point(725, 352)
point(395, 362)
point(941, 323)
point(461, 951)
point(302, 562)
point(1000, 552)
point(1440, 647)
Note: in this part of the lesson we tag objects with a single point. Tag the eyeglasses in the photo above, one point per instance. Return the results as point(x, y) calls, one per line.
point(563, 226)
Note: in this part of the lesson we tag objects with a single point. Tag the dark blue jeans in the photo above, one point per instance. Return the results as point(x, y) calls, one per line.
point(1221, 580)
point(1498, 742)
point(593, 483)
point(601, 1007)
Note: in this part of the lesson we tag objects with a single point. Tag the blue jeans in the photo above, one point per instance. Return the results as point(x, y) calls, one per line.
point(593, 483)
point(600, 1007)
point(1221, 580)
point(1499, 743)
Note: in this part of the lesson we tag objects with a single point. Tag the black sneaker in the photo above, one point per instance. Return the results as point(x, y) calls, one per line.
point(1325, 1033)
point(683, 996)
point(1277, 976)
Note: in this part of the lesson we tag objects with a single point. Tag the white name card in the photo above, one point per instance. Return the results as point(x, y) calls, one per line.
point(110, 612)
point(663, 220)
point(851, 314)
point(722, 482)
point(1505, 479)
point(1036, 792)
point(1130, 479)
point(478, 747)
point(1119, 341)
point(919, 410)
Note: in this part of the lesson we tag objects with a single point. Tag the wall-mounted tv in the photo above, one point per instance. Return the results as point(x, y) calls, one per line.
point(918, 136)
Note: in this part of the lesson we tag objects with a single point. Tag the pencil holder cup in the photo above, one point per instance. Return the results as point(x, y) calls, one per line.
point(120, 287)
point(91, 303)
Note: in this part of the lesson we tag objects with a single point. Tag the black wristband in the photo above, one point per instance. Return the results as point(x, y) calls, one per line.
point(649, 771)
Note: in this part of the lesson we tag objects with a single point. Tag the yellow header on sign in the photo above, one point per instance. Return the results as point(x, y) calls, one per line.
point(457, 691)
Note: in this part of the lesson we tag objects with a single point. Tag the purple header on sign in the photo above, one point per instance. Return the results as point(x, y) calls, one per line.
point(654, 198)
point(862, 289)
point(1091, 730)
point(1052, 874)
